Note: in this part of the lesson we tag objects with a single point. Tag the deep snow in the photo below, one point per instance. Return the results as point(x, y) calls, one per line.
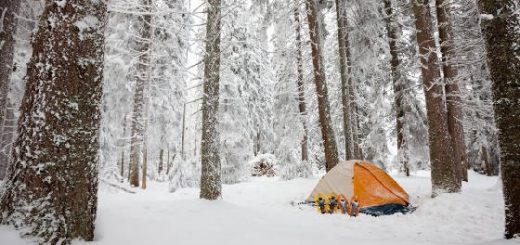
point(260, 212)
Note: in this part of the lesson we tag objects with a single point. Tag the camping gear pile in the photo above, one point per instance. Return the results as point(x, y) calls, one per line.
point(372, 190)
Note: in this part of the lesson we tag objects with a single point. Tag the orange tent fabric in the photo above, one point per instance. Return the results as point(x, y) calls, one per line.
point(373, 187)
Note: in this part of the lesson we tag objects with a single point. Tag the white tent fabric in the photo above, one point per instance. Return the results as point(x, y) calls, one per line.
point(338, 180)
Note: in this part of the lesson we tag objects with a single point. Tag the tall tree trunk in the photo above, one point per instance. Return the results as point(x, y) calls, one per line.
point(454, 103)
point(301, 86)
point(500, 24)
point(344, 66)
point(123, 149)
point(210, 180)
point(398, 87)
point(145, 167)
point(142, 78)
point(8, 10)
point(161, 161)
point(354, 117)
point(6, 137)
point(51, 188)
point(327, 132)
point(444, 175)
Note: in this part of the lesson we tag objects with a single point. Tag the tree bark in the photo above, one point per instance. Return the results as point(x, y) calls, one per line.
point(301, 86)
point(51, 189)
point(210, 182)
point(145, 167)
point(444, 175)
point(500, 22)
point(142, 79)
point(161, 161)
point(327, 132)
point(344, 66)
point(454, 103)
point(8, 10)
point(398, 88)
point(123, 141)
point(6, 137)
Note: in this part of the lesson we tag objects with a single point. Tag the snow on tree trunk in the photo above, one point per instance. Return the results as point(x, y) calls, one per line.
point(210, 180)
point(454, 102)
point(398, 88)
point(444, 175)
point(300, 83)
point(8, 10)
point(327, 132)
point(51, 188)
point(142, 79)
point(6, 137)
point(344, 66)
point(500, 23)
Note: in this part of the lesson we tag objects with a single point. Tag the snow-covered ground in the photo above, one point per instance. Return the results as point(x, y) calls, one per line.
point(260, 212)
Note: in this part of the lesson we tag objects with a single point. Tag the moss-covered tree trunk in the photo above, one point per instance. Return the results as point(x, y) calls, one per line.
point(52, 183)
point(210, 180)
point(443, 172)
point(500, 23)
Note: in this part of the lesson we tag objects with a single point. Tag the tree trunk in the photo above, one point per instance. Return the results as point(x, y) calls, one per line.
point(122, 163)
point(454, 103)
point(142, 78)
point(145, 167)
point(8, 10)
point(486, 165)
point(398, 88)
point(327, 132)
point(52, 184)
point(344, 66)
point(123, 149)
point(500, 22)
point(444, 175)
point(183, 156)
point(301, 85)
point(210, 180)
point(161, 161)
point(6, 137)
point(357, 151)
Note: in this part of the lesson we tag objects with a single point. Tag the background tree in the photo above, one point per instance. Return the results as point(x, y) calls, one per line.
point(142, 78)
point(302, 106)
point(210, 180)
point(344, 65)
point(500, 22)
point(397, 86)
point(453, 94)
point(443, 172)
point(55, 171)
point(8, 10)
point(327, 132)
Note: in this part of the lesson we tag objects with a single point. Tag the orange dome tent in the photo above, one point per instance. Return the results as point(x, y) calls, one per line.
point(377, 192)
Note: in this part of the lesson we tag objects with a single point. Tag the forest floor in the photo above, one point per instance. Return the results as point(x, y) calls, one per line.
point(260, 212)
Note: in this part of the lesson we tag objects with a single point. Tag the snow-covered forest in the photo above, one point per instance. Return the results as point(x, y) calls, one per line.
point(233, 121)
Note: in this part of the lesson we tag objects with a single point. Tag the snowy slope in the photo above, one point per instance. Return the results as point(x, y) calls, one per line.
point(260, 212)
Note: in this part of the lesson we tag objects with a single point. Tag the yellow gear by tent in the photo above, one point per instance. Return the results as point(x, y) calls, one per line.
point(377, 192)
